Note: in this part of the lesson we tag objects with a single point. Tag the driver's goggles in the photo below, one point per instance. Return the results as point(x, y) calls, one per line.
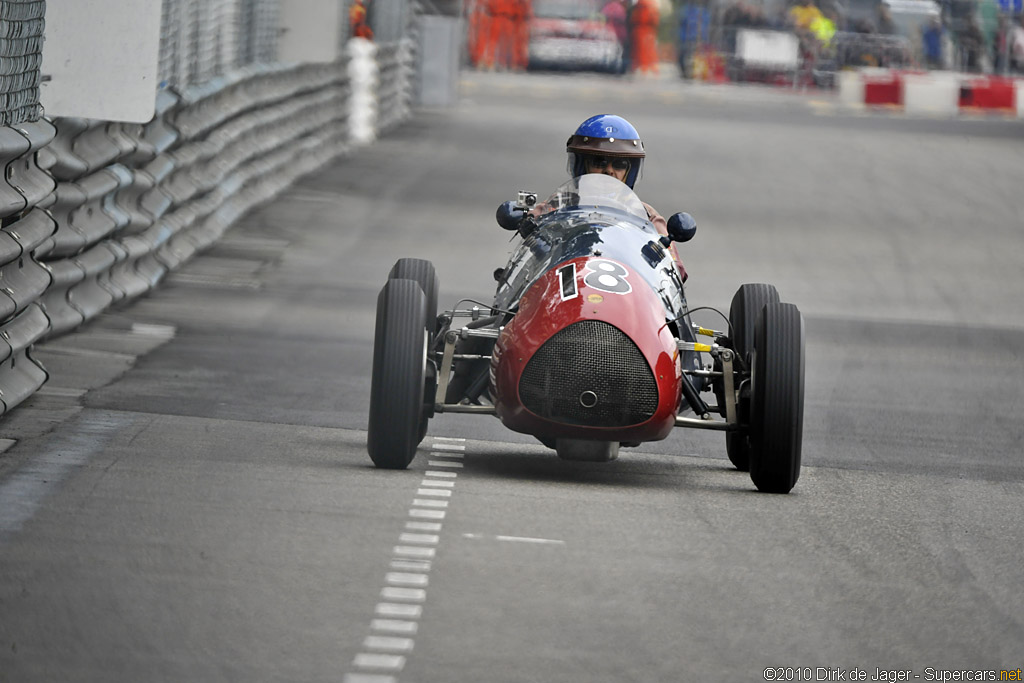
point(618, 163)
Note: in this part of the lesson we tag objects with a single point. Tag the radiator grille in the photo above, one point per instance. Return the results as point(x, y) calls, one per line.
point(590, 356)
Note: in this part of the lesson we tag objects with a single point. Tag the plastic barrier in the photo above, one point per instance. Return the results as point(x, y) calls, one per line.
point(934, 92)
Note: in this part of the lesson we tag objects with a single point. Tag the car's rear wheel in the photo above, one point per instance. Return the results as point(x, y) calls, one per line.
point(398, 412)
point(746, 305)
point(422, 272)
point(777, 398)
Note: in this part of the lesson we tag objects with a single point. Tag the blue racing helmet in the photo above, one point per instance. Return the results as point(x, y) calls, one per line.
point(606, 135)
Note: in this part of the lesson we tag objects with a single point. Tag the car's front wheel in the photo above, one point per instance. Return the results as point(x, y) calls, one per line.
point(746, 305)
point(398, 412)
point(777, 398)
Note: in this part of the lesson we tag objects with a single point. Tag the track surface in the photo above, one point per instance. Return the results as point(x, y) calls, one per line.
point(190, 497)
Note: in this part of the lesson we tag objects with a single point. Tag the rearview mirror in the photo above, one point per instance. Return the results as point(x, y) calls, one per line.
point(509, 215)
point(681, 227)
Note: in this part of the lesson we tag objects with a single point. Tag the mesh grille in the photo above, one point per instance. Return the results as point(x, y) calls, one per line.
point(590, 356)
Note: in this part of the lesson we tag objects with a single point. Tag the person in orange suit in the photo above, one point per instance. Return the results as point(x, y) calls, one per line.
point(480, 50)
point(521, 44)
point(643, 24)
point(358, 21)
point(502, 32)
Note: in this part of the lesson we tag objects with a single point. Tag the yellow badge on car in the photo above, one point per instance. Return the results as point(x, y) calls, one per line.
point(595, 298)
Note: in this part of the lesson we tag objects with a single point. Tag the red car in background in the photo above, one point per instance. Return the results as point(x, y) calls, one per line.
point(573, 35)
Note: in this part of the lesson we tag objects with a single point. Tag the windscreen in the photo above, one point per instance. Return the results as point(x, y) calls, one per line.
point(596, 190)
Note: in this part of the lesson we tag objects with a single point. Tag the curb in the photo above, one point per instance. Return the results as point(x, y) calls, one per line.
point(932, 92)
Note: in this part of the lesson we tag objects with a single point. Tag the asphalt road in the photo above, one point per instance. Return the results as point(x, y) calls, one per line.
point(190, 497)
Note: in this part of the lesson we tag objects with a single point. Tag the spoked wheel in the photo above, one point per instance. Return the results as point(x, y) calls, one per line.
point(743, 312)
point(422, 272)
point(777, 398)
point(397, 392)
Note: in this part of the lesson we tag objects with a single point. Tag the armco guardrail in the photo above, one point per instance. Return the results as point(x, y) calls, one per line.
point(97, 212)
point(133, 202)
point(26, 228)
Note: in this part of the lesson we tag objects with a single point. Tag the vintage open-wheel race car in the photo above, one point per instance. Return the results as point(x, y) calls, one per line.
point(588, 344)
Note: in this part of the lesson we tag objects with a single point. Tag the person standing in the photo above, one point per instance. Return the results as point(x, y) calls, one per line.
point(358, 21)
point(644, 21)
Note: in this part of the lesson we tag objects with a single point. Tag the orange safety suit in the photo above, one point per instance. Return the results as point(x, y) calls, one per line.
point(643, 25)
point(357, 21)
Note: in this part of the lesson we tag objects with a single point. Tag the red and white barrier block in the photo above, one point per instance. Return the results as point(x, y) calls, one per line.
point(932, 92)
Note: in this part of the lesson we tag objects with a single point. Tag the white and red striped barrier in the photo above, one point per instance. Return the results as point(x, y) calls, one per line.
point(932, 92)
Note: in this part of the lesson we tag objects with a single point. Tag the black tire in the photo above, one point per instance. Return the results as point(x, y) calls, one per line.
point(397, 405)
point(777, 398)
point(746, 305)
point(423, 272)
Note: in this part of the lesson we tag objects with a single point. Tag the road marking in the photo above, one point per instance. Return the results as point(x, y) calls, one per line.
point(406, 579)
point(414, 551)
point(390, 609)
point(411, 565)
point(369, 678)
point(370, 660)
point(438, 484)
point(517, 539)
point(448, 438)
point(438, 493)
point(394, 626)
point(428, 539)
point(398, 593)
point(388, 643)
point(429, 503)
point(447, 447)
point(526, 539)
point(427, 514)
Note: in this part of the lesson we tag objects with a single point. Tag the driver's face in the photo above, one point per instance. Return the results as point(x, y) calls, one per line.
point(616, 167)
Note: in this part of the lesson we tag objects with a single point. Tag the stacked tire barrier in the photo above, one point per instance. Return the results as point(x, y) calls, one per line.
point(95, 213)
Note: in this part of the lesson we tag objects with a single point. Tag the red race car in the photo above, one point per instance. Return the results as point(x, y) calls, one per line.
point(588, 344)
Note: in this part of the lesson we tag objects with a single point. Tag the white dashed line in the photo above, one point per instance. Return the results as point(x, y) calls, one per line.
point(388, 643)
point(394, 626)
point(438, 484)
point(390, 609)
point(370, 660)
point(406, 579)
point(437, 493)
point(448, 438)
point(411, 565)
point(427, 514)
point(413, 551)
point(399, 593)
point(446, 446)
point(397, 614)
point(428, 539)
point(429, 503)
point(445, 463)
point(369, 678)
